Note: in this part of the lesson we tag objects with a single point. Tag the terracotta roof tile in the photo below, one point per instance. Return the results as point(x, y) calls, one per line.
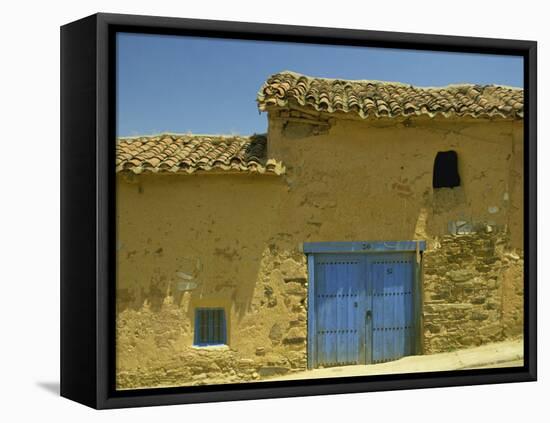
point(389, 99)
point(195, 153)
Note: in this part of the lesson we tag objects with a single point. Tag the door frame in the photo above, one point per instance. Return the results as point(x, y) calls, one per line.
point(363, 247)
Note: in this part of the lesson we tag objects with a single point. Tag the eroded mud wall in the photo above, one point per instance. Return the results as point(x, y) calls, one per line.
point(239, 237)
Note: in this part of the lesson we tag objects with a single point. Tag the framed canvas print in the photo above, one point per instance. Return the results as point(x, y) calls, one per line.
point(256, 211)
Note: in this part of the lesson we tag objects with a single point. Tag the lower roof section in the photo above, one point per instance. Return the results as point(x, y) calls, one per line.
point(186, 154)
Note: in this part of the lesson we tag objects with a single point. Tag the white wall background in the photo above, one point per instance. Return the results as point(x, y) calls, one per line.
point(29, 209)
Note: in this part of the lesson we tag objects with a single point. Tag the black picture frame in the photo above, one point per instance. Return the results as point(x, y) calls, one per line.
point(88, 209)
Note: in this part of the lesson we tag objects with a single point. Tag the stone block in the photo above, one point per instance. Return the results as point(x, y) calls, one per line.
point(432, 328)
point(291, 268)
point(492, 304)
point(295, 288)
point(478, 300)
point(483, 268)
point(460, 275)
point(295, 335)
point(276, 333)
point(480, 315)
point(492, 331)
point(260, 351)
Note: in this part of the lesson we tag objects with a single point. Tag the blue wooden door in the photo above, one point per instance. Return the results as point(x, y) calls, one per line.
point(363, 308)
point(340, 304)
point(392, 280)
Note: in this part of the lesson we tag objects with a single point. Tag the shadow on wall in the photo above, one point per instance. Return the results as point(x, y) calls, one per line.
point(223, 267)
point(192, 241)
point(225, 276)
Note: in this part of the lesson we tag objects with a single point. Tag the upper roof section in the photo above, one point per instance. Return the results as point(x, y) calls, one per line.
point(368, 99)
point(170, 153)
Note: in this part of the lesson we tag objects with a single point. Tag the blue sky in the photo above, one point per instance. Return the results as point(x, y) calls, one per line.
point(209, 86)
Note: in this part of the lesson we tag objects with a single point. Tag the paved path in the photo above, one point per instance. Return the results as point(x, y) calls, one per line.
point(502, 354)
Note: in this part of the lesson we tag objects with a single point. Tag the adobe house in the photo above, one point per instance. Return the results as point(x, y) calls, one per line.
point(374, 220)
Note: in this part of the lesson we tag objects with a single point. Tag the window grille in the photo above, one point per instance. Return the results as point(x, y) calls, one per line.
point(210, 327)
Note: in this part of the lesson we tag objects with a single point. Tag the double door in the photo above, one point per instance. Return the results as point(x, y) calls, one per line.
point(363, 307)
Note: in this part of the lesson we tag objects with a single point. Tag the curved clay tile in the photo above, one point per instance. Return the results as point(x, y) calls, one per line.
point(330, 95)
point(192, 153)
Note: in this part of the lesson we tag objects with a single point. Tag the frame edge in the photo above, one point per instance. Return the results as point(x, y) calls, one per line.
point(78, 212)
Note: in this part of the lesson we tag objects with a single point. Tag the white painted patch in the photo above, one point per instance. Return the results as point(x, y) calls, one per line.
point(185, 276)
point(492, 209)
point(186, 286)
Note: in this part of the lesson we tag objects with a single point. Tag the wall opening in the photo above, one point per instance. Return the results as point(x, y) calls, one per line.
point(445, 174)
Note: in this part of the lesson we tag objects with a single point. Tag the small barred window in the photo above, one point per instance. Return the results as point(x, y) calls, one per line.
point(210, 327)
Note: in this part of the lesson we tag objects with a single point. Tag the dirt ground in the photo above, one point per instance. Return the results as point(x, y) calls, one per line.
point(497, 355)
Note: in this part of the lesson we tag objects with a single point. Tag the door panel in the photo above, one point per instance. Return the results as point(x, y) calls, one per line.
point(392, 289)
point(340, 309)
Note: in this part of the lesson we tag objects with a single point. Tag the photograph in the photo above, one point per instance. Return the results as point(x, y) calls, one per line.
point(303, 211)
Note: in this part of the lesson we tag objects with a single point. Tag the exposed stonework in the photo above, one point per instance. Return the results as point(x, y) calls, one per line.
point(473, 291)
point(279, 308)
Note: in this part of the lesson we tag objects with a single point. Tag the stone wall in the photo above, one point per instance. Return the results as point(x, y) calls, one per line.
point(284, 277)
point(473, 291)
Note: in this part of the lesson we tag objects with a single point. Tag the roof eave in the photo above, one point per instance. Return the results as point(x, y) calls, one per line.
point(353, 115)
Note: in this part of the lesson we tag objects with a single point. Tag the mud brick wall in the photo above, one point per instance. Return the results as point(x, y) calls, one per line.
point(473, 291)
point(155, 340)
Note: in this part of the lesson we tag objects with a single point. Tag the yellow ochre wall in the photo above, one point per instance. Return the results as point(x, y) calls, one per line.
point(379, 176)
point(240, 235)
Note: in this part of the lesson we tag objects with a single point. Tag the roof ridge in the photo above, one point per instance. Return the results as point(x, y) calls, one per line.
point(373, 81)
point(393, 83)
point(187, 134)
